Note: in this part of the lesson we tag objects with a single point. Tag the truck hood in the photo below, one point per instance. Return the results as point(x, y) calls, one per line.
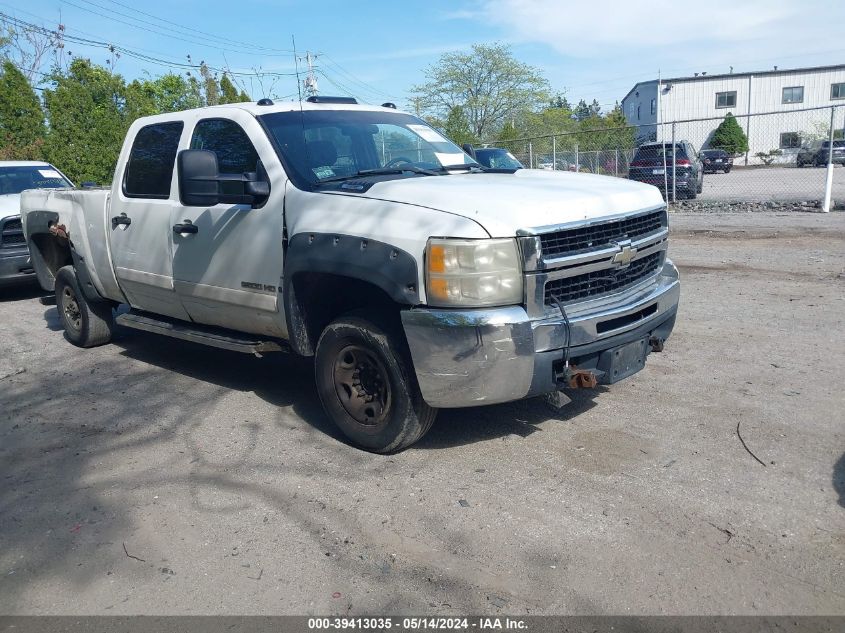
point(10, 204)
point(526, 199)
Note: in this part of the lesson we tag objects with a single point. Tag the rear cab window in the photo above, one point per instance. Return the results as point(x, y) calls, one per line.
point(655, 152)
point(149, 169)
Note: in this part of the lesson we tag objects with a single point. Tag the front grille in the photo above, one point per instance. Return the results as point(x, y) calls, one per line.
point(571, 241)
point(11, 233)
point(600, 282)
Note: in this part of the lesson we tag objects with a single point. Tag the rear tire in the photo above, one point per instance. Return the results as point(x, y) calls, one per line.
point(367, 386)
point(86, 323)
point(692, 191)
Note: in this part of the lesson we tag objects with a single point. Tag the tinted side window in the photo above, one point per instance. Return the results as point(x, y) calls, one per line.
point(151, 160)
point(235, 153)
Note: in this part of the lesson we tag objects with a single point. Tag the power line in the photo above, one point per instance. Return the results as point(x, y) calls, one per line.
point(137, 24)
point(197, 31)
point(68, 28)
point(368, 87)
point(133, 53)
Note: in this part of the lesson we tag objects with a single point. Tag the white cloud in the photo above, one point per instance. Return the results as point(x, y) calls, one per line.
point(628, 27)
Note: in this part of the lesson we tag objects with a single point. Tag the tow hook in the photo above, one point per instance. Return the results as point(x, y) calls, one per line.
point(656, 343)
point(580, 378)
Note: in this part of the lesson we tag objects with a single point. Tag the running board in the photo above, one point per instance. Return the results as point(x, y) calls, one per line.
point(205, 335)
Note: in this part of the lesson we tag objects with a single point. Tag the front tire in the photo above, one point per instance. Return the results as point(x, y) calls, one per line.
point(367, 387)
point(86, 323)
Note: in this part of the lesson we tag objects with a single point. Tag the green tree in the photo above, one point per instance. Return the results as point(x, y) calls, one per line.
point(457, 127)
point(488, 83)
point(583, 111)
point(210, 87)
point(86, 109)
point(507, 137)
point(167, 93)
point(559, 101)
point(228, 92)
point(730, 137)
point(21, 117)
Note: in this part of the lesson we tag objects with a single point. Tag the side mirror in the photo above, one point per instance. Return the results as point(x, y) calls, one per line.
point(258, 189)
point(200, 182)
point(197, 172)
point(469, 149)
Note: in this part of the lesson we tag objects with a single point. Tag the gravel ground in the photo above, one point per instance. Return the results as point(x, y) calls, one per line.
point(154, 476)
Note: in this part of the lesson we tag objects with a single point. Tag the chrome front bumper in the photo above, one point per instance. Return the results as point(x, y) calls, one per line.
point(465, 358)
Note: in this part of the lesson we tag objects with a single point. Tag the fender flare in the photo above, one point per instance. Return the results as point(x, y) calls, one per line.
point(391, 269)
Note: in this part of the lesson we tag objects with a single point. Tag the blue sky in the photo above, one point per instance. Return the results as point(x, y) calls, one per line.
point(379, 50)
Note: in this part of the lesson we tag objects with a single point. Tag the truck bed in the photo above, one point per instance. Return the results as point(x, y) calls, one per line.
point(84, 214)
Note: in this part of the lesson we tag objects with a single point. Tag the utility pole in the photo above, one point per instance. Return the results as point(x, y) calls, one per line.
point(310, 81)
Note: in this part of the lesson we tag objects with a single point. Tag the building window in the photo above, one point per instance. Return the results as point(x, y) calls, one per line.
point(638, 112)
point(654, 105)
point(837, 91)
point(726, 99)
point(790, 140)
point(795, 94)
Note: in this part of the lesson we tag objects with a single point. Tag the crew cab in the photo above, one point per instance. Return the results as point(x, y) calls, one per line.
point(358, 235)
point(16, 176)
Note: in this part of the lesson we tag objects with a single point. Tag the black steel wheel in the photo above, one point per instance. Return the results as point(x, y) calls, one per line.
point(367, 385)
point(86, 323)
point(362, 385)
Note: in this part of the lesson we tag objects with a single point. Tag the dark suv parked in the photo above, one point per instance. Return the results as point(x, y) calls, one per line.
point(650, 166)
point(816, 153)
point(493, 157)
point(716, 160)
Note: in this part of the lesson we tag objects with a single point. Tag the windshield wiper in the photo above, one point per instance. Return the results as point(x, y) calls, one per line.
point(382, 171)
point(464, 167)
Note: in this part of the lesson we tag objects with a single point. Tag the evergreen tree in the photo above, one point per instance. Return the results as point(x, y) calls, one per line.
point(559, 101)
point(21, 117)
point(209, 84)
point(507, 136)
point(88, 121)
point(457, 127)
point(730, 137)
point(228, 92)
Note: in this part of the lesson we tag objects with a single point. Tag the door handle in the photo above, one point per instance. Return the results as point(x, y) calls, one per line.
point(186, 227)
point(119, 220)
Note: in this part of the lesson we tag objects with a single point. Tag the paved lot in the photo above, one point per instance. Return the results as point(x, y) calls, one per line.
point(772, 184)
point(153, 476)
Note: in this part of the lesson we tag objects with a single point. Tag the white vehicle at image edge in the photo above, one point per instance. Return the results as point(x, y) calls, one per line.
point(358, 235)
point(15, 177)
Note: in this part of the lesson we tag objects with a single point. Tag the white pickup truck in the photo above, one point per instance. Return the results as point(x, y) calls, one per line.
point(359, 235)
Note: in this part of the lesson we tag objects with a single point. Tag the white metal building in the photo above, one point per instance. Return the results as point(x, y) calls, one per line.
point(790, 94)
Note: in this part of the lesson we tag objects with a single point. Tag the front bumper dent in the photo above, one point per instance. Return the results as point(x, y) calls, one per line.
point(466, 358)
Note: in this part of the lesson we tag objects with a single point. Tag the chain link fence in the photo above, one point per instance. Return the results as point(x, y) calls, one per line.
point(786, 161)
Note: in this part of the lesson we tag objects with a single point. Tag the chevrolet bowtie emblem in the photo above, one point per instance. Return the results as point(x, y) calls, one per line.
point(626, 253)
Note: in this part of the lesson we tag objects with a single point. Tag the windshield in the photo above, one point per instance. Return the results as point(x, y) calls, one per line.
point(330, 145)
point(15, 179)
point(497, 158)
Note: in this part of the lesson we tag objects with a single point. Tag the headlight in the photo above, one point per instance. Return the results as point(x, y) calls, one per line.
point(473, 272)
